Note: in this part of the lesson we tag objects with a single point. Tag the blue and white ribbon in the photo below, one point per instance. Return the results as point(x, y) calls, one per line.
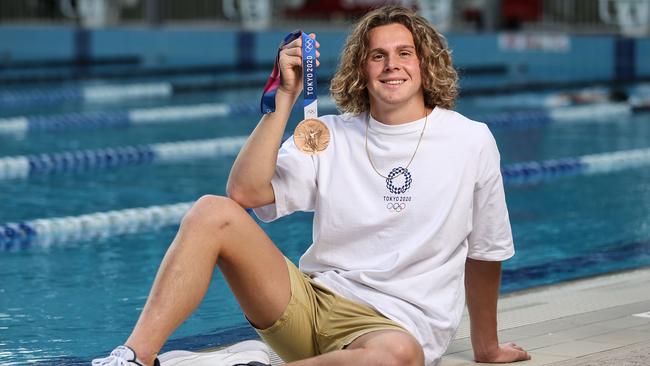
point(309, 71)
point(310, 76)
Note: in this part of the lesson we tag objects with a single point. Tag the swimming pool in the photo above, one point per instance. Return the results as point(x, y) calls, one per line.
point(71, 301)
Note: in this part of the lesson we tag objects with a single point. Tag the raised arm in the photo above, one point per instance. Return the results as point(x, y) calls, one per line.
point(482, 282)
point(249, 182)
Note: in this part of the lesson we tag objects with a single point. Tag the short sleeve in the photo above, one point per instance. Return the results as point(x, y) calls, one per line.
point(491, 235)
point(294, 184)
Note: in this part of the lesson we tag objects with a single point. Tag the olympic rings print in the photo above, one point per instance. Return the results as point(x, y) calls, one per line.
point(396, 172)
point(397, 207)
point(309, 44)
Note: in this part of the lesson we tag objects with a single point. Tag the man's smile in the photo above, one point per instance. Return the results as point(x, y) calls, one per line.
point(393, 81)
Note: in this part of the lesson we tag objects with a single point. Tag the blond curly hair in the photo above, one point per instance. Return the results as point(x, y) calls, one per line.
point(439, 78)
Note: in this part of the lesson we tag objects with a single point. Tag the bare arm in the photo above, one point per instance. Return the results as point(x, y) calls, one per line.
point(249, 182)
point(482, 282)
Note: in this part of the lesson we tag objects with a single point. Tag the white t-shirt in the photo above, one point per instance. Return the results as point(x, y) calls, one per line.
point(399, 245)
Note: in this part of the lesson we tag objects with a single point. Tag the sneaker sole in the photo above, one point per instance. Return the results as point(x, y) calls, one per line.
point(230, 356)
point(249, 345)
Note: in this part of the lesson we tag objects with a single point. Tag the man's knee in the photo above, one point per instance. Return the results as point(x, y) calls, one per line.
point(212, 213)
point(394, 348)
point(405, 352)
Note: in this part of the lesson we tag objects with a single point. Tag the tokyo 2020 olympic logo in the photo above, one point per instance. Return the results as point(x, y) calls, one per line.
point(396, 172)
point(309, 44)
point(397, 207)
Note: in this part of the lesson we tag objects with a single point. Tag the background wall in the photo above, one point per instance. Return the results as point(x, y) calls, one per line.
point(487, 60)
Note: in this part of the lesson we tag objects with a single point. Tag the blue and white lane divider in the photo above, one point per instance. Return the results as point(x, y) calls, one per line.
point(93, 94)
point(21, 167)
point(99, 119)
point(94, 226)
point(530, 172)
point(18, 126)
point(44, 232)
point(600, 112)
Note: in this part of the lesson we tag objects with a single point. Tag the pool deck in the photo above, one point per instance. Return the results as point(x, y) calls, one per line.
point(602, 321)
point(599, 321)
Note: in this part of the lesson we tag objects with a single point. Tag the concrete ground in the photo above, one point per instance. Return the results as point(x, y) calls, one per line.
point(602, 321)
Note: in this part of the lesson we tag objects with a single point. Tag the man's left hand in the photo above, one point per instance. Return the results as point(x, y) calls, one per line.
point(508, 352)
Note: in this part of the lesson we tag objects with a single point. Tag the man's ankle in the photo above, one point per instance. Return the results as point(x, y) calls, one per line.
point(145, 358)
point(150, 361)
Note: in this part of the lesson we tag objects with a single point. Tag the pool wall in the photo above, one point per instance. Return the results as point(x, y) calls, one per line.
point(485, 60)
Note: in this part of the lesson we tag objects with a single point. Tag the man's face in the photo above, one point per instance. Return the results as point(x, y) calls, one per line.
point(393, 70)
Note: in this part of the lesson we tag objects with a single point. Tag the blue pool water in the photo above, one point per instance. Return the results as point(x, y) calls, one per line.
point(70, 302)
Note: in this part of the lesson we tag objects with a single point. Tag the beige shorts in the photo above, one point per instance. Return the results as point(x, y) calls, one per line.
point(317, 321)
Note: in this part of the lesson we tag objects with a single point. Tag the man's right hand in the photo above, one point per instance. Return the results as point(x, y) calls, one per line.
point(249, 183)
point(291, 66)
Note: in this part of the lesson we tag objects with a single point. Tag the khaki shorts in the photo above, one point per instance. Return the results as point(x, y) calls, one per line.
point(317, 321)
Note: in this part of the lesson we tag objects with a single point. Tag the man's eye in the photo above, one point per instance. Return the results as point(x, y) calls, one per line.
point(377, 56)
point(405, 54)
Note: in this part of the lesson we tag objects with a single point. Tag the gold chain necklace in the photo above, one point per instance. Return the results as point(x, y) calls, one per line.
point(426, 117)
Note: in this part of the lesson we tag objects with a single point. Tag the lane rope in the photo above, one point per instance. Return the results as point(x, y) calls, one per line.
point(89, 93)
point(19, 126)
point(601, 112)
point(23, 167)
point(94, 226)
point(181, 83)
point(45, 232)
point(535, 171)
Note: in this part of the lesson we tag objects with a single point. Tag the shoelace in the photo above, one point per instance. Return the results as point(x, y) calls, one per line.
point(114, 361)
point(116, 358)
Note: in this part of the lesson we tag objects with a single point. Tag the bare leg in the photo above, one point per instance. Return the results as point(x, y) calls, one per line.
point(380, 348)
point(216, 231)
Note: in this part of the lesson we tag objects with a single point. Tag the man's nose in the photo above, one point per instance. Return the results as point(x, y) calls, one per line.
point(391, 63)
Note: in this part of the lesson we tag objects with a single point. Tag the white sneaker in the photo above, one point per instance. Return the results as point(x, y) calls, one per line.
point(247, 353)
point(121, 356)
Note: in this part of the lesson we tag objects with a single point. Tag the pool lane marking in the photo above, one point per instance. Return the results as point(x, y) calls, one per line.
point(106, 224)
point(94, 226)
point(535, 171)
point(18, 126)
point(22, 167)
point(89, 93)
point(165, 114)
point(598, 112)
point(105, 93)
point(14, 126)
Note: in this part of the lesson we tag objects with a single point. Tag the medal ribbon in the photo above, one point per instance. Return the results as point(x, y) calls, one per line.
point(309, 73)
point(310, 103)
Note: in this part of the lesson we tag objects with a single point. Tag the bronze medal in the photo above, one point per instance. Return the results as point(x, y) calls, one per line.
point(311, 136)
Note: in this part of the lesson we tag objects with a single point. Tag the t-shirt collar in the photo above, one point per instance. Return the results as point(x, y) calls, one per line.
point(401, 129)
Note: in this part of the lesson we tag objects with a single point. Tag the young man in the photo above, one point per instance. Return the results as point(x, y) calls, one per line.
point(409, 214)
